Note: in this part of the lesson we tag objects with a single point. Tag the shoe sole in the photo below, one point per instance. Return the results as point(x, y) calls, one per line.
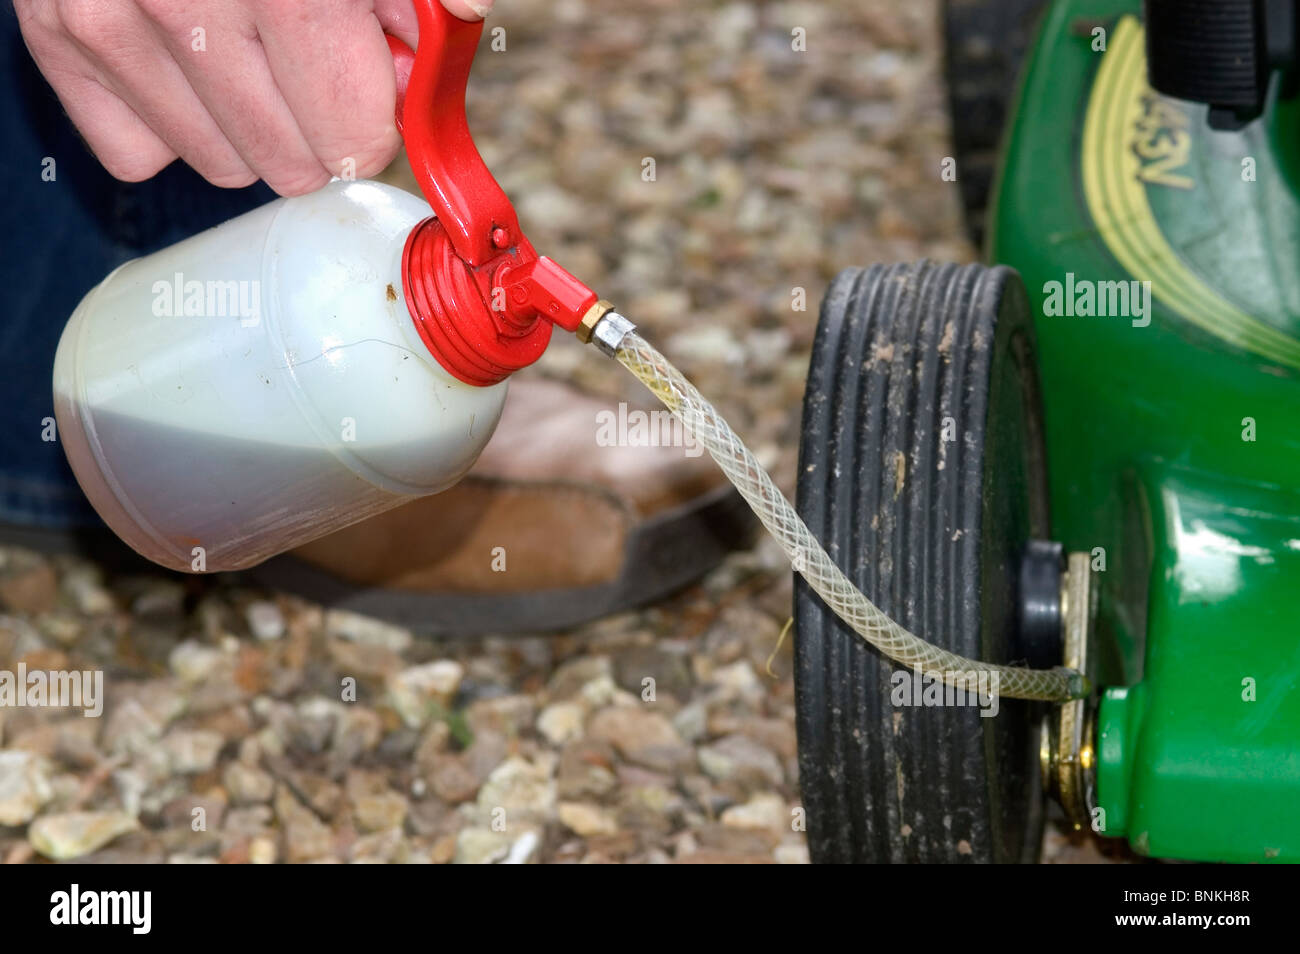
point(663, 554)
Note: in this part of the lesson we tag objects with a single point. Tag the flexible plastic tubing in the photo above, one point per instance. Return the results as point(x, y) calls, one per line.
point(810, 559)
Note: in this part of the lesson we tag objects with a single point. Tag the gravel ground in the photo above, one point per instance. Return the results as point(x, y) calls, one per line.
point(224, 737)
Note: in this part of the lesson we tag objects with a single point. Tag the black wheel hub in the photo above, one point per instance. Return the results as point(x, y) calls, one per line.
point(1038, 632)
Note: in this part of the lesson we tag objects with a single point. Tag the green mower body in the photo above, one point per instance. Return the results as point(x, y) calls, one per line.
point(1160, 256)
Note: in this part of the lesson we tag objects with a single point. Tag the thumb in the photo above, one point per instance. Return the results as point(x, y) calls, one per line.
point(397, 17)
point(468, 9)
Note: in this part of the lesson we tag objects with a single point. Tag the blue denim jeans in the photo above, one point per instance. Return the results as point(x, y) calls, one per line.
point(61, 237)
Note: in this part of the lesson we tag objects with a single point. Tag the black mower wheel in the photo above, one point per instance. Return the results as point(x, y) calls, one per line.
point(984, 45)
point(922, 470)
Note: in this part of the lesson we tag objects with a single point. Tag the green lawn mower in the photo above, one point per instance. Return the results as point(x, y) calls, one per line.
point(1085, 454)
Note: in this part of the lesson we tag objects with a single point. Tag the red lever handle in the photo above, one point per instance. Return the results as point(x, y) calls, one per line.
point(482, 299)
point(478, 217)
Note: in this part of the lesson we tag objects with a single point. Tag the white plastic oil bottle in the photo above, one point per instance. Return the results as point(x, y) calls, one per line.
point(262, 384)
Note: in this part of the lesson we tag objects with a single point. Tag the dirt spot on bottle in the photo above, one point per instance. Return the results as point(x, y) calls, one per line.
point(392, 293)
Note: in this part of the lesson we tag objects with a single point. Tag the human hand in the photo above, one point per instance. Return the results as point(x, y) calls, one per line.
point(287, 91)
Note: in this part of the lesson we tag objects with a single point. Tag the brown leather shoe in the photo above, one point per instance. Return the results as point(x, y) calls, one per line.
point(550, 528)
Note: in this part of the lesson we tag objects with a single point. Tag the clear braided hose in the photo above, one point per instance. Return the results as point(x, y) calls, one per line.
point(808, 557)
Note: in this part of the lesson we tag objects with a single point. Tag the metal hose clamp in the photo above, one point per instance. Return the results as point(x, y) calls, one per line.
point(604, 327)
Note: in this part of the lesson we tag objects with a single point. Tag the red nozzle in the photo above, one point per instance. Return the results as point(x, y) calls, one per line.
point(480, 296)
point(544, 289)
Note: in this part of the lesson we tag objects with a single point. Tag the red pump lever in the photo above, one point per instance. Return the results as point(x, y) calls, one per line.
point(481, 297)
